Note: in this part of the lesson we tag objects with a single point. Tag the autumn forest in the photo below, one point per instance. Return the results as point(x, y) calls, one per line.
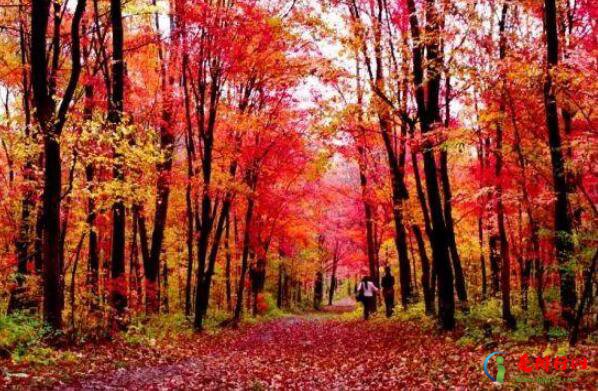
point(195, 193)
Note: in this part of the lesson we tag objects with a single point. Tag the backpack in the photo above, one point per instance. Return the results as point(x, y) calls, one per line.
point(361, 292)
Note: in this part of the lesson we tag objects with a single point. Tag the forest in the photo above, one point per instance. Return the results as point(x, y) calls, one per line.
point(194, 193)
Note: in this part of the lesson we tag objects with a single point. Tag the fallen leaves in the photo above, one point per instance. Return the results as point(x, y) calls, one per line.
point(295, 353)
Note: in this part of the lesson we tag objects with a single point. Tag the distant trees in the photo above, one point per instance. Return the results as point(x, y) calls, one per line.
point(414, 53)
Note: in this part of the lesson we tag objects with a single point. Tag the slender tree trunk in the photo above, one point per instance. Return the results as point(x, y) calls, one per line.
point(585, 298)
point(205, 274)
point(425, 279)
point(562, 222)
point(413, 267)
point(165, 295)
point(227, 267)
point(426, 215)
point(207, 220)
point(37, 241)
point(533, 224)
point(93, 260)
point(190, 157)
point(420, 189)
point(280, 293)
point(396, 166)
point(118, 296)
point(245, 256)
point(505, 257)
point(162, 186)
point(526, 271)
point(493, 243)
point(51, 124)
point(74, 280)
point(480, 153)
point(367, 207)
point(369, 219)
point(399, 193)
point(53, 293)
point(482, 258)
point(333, 281)
point(448, 208)
point(134, 272)
point(44, 110)
point(429, 115)
point(17, 300)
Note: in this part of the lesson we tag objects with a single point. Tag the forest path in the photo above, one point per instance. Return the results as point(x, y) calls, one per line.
point(309, 352)
point(346, 304)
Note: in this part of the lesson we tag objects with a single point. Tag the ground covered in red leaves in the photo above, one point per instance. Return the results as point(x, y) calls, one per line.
point(305, 353)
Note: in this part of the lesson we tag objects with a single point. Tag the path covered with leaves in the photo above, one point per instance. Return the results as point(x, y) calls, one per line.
point(303, 353)
point(309, 352)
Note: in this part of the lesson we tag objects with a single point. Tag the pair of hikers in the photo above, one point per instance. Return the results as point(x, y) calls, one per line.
point(367, 292)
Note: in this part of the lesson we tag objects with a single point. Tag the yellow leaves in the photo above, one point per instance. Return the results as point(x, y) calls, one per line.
point(489, 117)
point(319, 165)
point(19, 146)
point(144, 8)
point(222, 181)
point(274, 21)
point(135, 149)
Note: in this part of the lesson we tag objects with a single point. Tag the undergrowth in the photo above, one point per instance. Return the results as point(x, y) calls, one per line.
point(23, 339)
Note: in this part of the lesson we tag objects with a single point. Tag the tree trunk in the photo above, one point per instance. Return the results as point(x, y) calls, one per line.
point(333, 281)
point(39, 227)
point(165, 301)
point(562, 222)
point(369, 219)
point(429, 115)
point(204, 275)
point(493, 243)
point(481, 160)
point(93, 260)
point(190, 155)
point(245, 256)
point(280, 293)
point(425, 279)
point(44, 108)
point(482, 258)
point(448, 208)
point(227, 267)
point(399, 193)
point(396, 167)
point(367, 207)
point(585, 298)
point(74, 280)
point(134, 272)
point(118, 296)
point(53, 286)
point(51, 124)
point(505, 257)
point(533, 224)
point(17, 298)
point(204, 216)
point(162, 185)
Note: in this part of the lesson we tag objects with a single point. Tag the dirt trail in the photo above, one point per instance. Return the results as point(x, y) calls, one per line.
point(313, 353)
point(299, 353)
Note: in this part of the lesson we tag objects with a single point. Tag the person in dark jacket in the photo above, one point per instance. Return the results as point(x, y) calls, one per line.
point(388, 291)
point(318, 290)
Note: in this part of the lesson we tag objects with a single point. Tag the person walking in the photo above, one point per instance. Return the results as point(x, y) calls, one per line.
point(388, 291)
point(366, 293)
